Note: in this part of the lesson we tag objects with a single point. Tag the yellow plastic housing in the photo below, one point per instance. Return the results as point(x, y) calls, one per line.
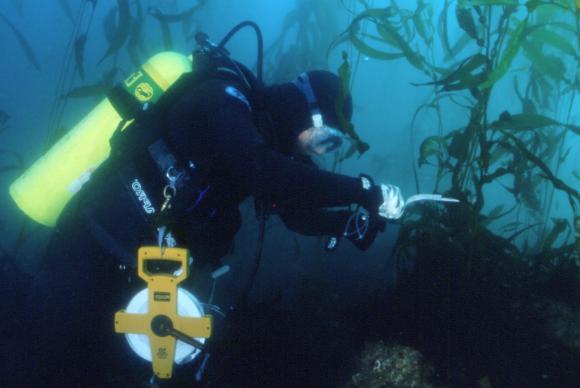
point(47, 186)
point(163, 302)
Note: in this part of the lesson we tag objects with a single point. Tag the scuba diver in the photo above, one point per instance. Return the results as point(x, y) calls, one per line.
point(212, 142)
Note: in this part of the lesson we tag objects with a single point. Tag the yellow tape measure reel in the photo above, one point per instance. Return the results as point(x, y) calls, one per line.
point(159, 315)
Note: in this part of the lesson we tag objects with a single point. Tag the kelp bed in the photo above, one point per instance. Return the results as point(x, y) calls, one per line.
point(493, 297)
point(495, 292)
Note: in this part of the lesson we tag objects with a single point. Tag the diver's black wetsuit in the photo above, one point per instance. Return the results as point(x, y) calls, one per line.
point(70, 339)
point(240, 162)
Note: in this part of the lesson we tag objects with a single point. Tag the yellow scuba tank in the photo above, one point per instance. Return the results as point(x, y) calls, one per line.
point(48, 185)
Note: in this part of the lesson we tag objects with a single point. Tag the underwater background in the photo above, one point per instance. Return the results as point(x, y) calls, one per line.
point(474, 99)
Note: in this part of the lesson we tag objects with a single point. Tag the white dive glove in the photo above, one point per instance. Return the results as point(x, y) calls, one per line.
point(394, 204)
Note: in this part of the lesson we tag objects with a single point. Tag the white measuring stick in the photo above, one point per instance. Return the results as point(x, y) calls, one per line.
point(429, 197)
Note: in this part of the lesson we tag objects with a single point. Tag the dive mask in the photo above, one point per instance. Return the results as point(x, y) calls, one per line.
point(321, 140)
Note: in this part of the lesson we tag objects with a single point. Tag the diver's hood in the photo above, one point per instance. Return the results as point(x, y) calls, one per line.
point(291, 114)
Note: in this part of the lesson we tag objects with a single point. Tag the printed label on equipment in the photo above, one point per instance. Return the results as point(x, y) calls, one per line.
point(162, 353)
point(144, 92)
point(142, 196)
point(162, 296)
point(133, 78)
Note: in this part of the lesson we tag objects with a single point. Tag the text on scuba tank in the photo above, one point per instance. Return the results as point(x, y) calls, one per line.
point(142, 196)
point(133, 78)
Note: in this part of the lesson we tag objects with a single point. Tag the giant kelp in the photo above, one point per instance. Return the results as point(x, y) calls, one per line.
point(487, 148)
point(30, 55)
point(499, 254)
point(306, 32)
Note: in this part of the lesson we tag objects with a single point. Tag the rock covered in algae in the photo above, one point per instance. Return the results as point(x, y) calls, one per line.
point(382, 366)
point(562, 324)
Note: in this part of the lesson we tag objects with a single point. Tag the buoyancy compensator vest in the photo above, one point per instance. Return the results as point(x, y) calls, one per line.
point(144, 190)
point(133, 184)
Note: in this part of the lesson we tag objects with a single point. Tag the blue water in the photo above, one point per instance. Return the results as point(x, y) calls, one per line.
point(316, 288)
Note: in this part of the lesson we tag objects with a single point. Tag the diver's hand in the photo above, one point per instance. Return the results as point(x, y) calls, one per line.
point(393, 204)
point(376, 225)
